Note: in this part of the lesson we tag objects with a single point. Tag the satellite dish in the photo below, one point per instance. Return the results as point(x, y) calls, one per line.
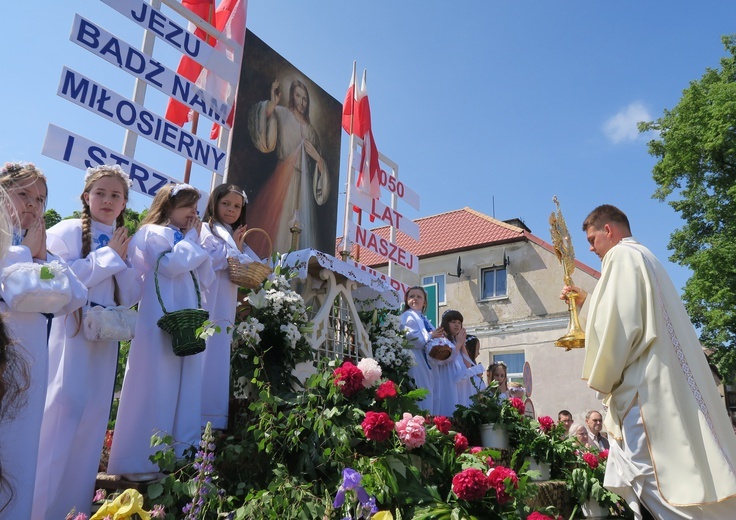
point(459, 270)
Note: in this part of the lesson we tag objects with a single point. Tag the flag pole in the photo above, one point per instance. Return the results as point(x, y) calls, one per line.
point(345, 252)
point(195, 115)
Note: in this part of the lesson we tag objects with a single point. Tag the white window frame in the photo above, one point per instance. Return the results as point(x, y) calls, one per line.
point(481, 285)
point(432, 278)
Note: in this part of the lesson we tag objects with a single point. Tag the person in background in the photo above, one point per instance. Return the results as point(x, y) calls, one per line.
point(581, 434)
point(594, 423)
point(663, 408)
point(447, 371)
point(564, 417)
point(418, 332)
point(516, 390)
point(498, 372)
point(471, 379)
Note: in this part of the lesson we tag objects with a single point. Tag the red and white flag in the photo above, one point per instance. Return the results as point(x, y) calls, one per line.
point(356, 119)
point(176, 112)
point(349, 107)
point(229, 20)
point(368, 178)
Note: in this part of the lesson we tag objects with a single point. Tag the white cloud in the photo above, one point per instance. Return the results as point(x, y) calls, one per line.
point(622, 126)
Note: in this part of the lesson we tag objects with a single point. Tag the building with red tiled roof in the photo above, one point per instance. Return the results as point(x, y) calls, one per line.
point(506, 282)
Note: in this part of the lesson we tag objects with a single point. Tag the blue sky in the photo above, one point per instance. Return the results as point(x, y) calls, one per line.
point(493, 105)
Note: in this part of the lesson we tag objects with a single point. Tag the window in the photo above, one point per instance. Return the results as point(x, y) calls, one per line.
point(439, 279)
point(514, 365)
point(493, 283)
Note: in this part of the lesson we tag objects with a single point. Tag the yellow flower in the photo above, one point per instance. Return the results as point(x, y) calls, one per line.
point(383, 515)
point(128, 503)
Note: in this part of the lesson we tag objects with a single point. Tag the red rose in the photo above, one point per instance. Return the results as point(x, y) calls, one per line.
point(377, 426)
point(461, 443)
point(546, 423)
point(443, 424)
point(499, 477)
point(603, 455)
point(536, 515)
point(348, 378)
point(591, 460)
point(470, 484)
point(518, 404)
point(386, 390)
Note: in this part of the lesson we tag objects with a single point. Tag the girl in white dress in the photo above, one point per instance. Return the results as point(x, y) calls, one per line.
point(449, 371)
point(471, 379)
point(418, 331)
point(222, 236)
point(82, 372)
point(19, 433)
point(161, 391)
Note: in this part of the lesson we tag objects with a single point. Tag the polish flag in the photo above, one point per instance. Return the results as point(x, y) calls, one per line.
point(177, 112)
point(369, 167)
point(229, 20)
point(349, 106)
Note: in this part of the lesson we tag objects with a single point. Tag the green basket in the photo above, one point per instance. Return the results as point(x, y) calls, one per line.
point(182, 325)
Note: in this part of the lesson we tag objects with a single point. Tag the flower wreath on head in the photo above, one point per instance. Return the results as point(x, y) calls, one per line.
point(181, 186)
point(10, 168)
point(109, 168)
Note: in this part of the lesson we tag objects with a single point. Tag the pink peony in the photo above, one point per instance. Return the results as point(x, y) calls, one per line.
point(411, 430)
point(475, 449)
point(386, 390)
point(461, 443)
point(371, 371)
point(591, 460)
point(443, 424)
point(498, 478)
point(518, 404)
point(546, 423)
point(470, 484)
point(348, 378)
point(377, 426)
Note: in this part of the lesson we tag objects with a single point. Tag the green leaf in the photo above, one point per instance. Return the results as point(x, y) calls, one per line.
point(46, 273)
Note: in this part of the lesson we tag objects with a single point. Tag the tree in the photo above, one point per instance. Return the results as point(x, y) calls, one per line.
point(696, 174)
point(51, 217)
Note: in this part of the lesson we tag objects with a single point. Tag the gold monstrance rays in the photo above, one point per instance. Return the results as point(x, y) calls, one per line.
point(575, 337)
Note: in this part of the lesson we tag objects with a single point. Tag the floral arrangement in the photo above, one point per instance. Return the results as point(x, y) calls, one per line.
point(543, 441)
point(271, 338)
point(389, 344)
point(586, 480)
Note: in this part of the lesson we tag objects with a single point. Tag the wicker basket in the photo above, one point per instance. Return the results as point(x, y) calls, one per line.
point(182, 325)
point(440, 352)
point(249, 276)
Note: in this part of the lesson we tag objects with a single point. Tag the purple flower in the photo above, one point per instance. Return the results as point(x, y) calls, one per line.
point(351, 482)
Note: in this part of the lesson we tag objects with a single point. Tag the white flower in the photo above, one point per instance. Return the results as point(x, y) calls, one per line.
point(292, 333)
point(371, 371)
point(257, 300)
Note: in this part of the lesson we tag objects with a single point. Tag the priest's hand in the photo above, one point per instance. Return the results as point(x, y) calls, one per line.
point(579, 299)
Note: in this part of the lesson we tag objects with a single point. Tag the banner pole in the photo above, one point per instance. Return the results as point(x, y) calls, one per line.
point(345, 252)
